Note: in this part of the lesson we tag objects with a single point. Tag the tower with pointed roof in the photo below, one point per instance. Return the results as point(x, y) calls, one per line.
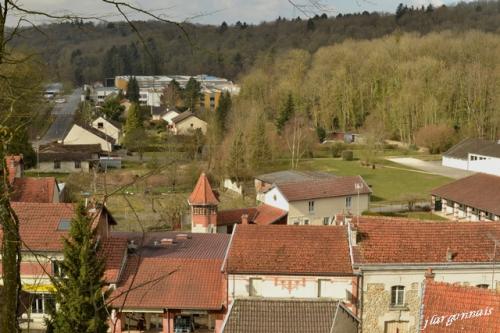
point(203, 203)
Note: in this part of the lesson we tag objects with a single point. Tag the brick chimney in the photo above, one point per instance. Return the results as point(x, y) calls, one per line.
point(244, 219)
point(429, 274)
point(15, 165)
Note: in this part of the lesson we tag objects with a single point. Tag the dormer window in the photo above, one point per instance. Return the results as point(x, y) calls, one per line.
point(100, 125)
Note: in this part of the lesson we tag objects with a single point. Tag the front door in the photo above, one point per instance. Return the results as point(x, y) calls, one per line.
point(396, 327)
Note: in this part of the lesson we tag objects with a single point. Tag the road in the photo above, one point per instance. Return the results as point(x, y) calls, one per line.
point(64, 114)
point(433, 167)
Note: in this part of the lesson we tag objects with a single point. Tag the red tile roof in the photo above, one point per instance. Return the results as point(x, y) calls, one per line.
point(285, 249)
point(203, 193)
point(262, 214)
point(480, 191)
point(393, 241)
point(326, 188)
point(459, 309)
point(34, 189)
point(13, 162)
point(113, 250)
point(162, 282)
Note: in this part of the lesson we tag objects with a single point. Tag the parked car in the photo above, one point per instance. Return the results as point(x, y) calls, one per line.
point(60, 100)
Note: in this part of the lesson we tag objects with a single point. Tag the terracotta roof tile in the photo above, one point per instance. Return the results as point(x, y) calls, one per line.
point(113, 250)
point(281, 316)
point(13, 164)
point(268, 214)
point(480, 191)
point(403, 241)
point(34, 189)
point(326, 188)
point(262, 214)
point(203, 193)
point(284, 249)
point(461, 309)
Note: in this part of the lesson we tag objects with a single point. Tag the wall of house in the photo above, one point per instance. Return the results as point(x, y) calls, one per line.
point(78, 135)
point(377, 311)
point(66, 167)
point(344, 322)
point(192, 123)
point(274, 198)
point(487, 164)
point(288, 286)
point(169, 116)
point(327, 207)
point(456, 211)
point(108, 128)
point(455, 163)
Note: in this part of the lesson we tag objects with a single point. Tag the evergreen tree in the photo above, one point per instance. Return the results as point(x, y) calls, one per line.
point(285, 113)
point(79, 293)
point(133, 119)
point(310, 25)
point(133, 94)
point(192, 93)
point(222, 111)
point(236, 162)
point(259, 145)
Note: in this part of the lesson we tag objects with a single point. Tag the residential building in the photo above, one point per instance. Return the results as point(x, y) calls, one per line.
point(108, 127)
point(316, 200)
point(393, 255)
point(97, 93)
point(476, 155)
point(280, 261)
point(449, 308)
point(187, 123)
point(88, 135)
point(172, 279)
point(205, 217)
point(169, 115)
point(57, 157)
point(260, 315)
point(30, 189)
point(474, 198)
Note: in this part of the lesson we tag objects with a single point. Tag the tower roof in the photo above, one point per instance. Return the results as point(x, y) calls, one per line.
point(203, 193)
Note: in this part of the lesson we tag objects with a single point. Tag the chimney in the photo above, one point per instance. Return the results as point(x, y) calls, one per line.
point(429, 275)
point(166, 241)
point(450, 255)
point(244, 219)
point(354, 234)
point(183, 236)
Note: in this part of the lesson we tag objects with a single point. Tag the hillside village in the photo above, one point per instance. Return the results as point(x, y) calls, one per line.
point(336, 180)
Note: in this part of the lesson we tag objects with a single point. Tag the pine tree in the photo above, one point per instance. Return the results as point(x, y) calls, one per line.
point(133, 121)
point(259, 145)
point(223, 110)
point(236, 163)
point(285, 113)
point(79, 293)
point(192, 93)
point(133, 94)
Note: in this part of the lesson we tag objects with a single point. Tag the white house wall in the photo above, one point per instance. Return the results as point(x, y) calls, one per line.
point(108, 128)
point(491, 165)
point(455, 163)
point(78, 136)
point(274, 198)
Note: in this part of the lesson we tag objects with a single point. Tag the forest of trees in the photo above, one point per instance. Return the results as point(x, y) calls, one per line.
point(86, 52)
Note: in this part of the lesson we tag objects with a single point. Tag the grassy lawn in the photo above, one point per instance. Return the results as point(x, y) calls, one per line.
point(388, 185)
point(411, 215)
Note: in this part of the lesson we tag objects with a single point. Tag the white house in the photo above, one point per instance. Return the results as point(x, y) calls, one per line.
point(170, 115)
point(108, 127)
point(87, 135)
point(476, 155)
point(281, 261)
point(186, 123)
point(318, 201)
point(394, 256)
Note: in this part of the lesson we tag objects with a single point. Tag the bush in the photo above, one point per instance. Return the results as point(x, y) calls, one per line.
point(337, 148)
point(438, 138)
point(347, 155)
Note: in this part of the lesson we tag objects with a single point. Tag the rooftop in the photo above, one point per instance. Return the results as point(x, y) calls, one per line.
point(290, 176)
point(183, 116)
point(262, 214)
point(395, 241)
point(479, 190)
point(113, 250)
point(53, 151)
point(475, 146)
point(203, 193)
point(286, 249)
point(34, 189)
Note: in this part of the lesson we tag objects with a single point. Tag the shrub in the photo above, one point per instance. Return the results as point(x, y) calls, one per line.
point(438, 138)
point(337, 148)
point(347, 155)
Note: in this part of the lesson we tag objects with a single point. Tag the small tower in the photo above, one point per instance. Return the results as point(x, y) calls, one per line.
point(203, 204)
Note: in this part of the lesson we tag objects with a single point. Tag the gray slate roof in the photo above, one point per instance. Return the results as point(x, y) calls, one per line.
point(474, 146)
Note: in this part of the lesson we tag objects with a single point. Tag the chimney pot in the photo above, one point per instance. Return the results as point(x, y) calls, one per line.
point(429, 274)
point(244, 219)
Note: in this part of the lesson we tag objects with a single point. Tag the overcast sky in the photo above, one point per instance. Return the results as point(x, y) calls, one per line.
point(216, 11)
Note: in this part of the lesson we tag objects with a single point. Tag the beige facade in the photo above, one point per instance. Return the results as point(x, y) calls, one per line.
point(107, 128)
point(380, 316)
point(64, 166)
point(80, 136)
point(188, 125)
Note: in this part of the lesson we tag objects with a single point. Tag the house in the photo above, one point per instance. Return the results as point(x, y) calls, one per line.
point(318, 200)
point(186, 123)
point(42, 227)
point(346, 137)
point(88, 135)
point(474, 198)
point(205, 217)
point(176, 277)
point(108, 127)
point(57, 157)
point(392, 256)
point(169, 115)
point(476, 155)
point(282, 261)
point(447, 308)
point(30, 189)
point(260, 315)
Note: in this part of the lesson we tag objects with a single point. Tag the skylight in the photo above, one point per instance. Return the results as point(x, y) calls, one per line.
point(64, 224)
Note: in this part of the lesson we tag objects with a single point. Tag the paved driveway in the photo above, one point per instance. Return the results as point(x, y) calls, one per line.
point(433, 167)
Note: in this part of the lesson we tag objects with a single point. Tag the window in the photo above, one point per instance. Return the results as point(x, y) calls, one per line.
point(57, 164)
point(255, 285)
point(78, 164)
point(100, 125)
point(311, 206)
point(326, 220)
point(483, 286)
point(296, 222)
point(41, 303)
point(348, 202)
point(64, 224)
point(397, 295)
point(306, 221)
point(57, 269)
point(323, 285)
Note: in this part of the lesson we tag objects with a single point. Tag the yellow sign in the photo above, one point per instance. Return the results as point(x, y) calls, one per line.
point(48, 288)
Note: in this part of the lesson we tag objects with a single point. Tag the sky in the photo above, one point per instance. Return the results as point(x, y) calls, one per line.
point(217, 11)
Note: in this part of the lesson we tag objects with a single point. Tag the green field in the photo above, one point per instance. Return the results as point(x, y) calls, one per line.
point(411, 215)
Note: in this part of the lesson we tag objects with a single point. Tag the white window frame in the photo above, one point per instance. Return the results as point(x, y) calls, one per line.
point(311, 207)
point(398, 295)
